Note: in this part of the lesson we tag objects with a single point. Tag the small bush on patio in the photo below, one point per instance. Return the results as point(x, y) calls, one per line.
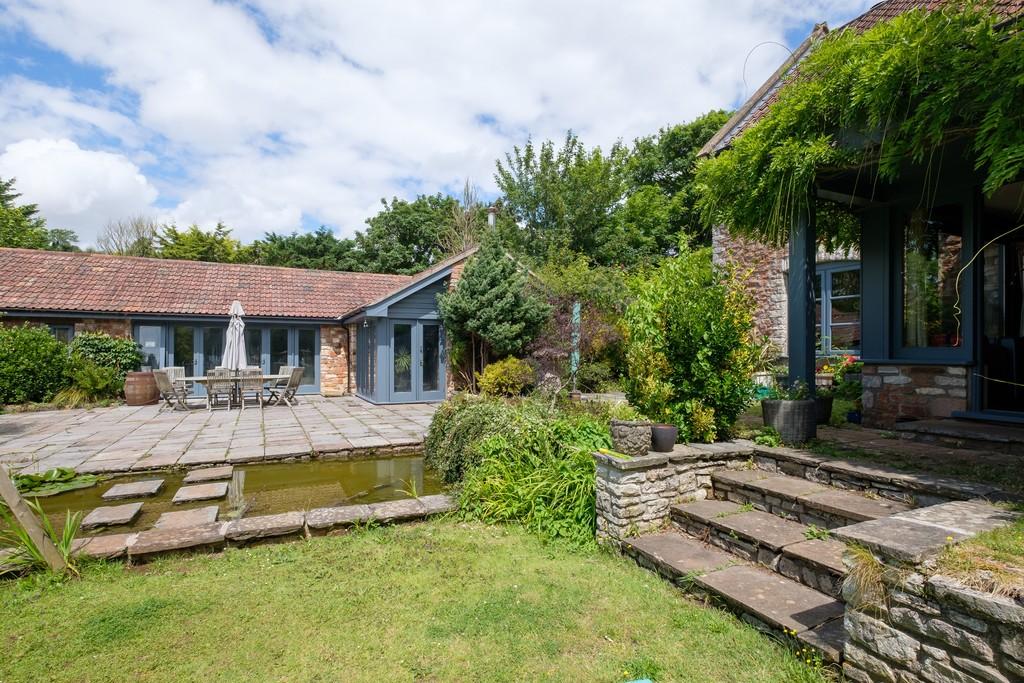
point(89, 383)
point(507, 377)
point(689, 346)
point(118, 353)
point(32, 364)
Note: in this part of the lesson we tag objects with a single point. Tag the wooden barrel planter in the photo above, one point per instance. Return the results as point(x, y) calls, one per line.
point(140, 389)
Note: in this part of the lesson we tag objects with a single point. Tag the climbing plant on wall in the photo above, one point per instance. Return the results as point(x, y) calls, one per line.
point(876, 99)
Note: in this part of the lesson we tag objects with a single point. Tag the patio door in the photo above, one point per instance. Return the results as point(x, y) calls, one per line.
point(416, 360)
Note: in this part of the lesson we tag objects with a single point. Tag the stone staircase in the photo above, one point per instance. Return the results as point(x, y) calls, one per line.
point(760, 545)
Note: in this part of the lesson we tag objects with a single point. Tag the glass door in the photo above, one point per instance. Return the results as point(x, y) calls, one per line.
point(403, 361)
point(432, 376)
point(150, 339)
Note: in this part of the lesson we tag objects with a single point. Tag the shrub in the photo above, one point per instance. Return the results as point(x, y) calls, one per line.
point(458, 424)
point(89, 383)
point(32, 364)
point(506, 377)
point(689, 347)
point(120, 353)
point(539, 472)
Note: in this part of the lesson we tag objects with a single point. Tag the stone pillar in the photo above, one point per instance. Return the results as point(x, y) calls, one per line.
point(802, 254)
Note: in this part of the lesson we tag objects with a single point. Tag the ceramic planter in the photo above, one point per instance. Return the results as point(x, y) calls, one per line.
point(795, 421)
point(631, 437)
point(663, 437)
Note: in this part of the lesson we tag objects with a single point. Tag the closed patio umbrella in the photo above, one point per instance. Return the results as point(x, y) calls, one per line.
point(234, 341)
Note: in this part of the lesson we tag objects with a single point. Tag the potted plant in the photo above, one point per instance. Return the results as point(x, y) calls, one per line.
point(823, 400)
point(792, 413)
point(764, 364)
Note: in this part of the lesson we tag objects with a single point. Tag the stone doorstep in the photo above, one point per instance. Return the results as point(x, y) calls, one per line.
point(135, 489)
point(208, 474)
point(779, 602)
point(187, 518)
point(188, 494)
point(826, 555)
point(112, 515)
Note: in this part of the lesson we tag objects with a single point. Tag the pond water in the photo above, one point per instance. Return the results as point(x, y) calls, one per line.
point(265, 489)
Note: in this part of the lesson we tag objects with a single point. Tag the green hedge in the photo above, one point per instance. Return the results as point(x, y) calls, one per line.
point(32, 364)
point(118, 353)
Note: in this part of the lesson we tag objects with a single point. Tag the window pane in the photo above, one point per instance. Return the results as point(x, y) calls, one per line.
point(213, 347)
point(149, 343)
point(846, 337)
point(401, 343)
point(846, 283)
point(846, 310)
point(184, 349)
point(278, 348)
point(431, 357)
point(307, 355)
point(932, 246)
point(254, 346)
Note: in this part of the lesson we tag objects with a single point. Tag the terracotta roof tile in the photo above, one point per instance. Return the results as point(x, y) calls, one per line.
point(78, 282)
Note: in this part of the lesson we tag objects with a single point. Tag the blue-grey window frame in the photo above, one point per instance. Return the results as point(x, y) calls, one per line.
point(824, 272)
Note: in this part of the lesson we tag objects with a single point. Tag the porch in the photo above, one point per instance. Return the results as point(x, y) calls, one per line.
point(128, 438)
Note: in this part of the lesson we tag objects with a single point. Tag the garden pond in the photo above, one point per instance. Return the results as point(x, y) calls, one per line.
point(263, 489)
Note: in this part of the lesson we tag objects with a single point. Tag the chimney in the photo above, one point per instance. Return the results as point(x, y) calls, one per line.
point(492, 216)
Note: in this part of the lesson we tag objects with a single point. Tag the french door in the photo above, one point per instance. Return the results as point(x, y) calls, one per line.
point(416, 353)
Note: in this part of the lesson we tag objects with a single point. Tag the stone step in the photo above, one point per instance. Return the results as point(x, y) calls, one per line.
point(801, 500)
point(973, 434)
point(769, 601)
point(778, 544)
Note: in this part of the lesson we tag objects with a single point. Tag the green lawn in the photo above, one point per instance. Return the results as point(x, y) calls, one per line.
point(440, 601)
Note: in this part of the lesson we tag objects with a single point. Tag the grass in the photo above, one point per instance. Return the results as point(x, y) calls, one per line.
point(991, 561)
point(438, 601)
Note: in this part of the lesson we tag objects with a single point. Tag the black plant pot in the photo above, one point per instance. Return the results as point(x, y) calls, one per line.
point(795, 421)
point(853, 417)
point(824, 409)
point(663, 437)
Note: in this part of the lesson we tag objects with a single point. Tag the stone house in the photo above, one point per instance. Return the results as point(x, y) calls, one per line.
point(374, 335)
point(931, 299)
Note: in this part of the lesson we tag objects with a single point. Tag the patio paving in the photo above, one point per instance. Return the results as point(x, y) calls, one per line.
point(127, 438)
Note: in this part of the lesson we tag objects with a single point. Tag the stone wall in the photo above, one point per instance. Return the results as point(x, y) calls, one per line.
point(892, 393)
point(634, 495)
point(335, 341)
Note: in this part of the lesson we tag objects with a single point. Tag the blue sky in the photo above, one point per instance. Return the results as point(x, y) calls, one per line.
point(283, 116)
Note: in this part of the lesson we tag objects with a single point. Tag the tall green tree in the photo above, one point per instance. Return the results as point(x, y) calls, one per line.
point(319, 250)
point(22, 226)
point(560, 198)
point(405, 237)
point(491, 312)
point(195, 244)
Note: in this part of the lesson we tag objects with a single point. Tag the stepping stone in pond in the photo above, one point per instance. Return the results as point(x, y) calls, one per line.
point(208, 474)
point(135, 489)
point(188, 494)
point(187, 518)
point(112, 515)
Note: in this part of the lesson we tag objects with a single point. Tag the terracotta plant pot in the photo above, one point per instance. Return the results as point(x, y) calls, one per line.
point(663, 437)
point(631, 437)
point(140, 389)
point(795, 421)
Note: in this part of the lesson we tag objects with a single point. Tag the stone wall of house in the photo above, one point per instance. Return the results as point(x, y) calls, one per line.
point(335, 342)
point(113, 327)
point(896, 392)
point(634, 495)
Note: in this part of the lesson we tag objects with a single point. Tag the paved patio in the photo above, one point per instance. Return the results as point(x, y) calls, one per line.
point(138, 438)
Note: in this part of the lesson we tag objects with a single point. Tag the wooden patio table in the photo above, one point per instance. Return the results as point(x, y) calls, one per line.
point(236, 379)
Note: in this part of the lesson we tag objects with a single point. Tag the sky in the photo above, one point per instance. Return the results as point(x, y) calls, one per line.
point(283, 115)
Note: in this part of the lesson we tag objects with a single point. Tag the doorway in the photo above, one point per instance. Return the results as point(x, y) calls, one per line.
point(416, 360)
point(1000, 374)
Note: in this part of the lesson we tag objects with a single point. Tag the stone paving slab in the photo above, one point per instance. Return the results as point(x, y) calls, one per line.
point(112, 515)
point(772, 598)
point(397, 511)
point(903, 540)
point(108, 546)
point(827, 554)
point(328, 518)
point(677, 555)
point(208, 474)
point(706, 509)
point(135, 489)
point(182, 519)
point(829, 638)
point(964, 517)
point(764, 528)
point(438, 503)
point(852, 506)
point(265, 526)
point(190, 494)
point(129, 438)
point(786, 487)
point(165, 540)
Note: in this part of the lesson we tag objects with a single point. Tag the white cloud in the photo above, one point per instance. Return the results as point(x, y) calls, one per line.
point(285, 108)
point(76, 188)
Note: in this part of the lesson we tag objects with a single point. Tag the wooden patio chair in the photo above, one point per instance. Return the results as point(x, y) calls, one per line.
point(250, 384)
point(282, 383)
point(219, 385)
point(173, 393)
point(287, 392)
